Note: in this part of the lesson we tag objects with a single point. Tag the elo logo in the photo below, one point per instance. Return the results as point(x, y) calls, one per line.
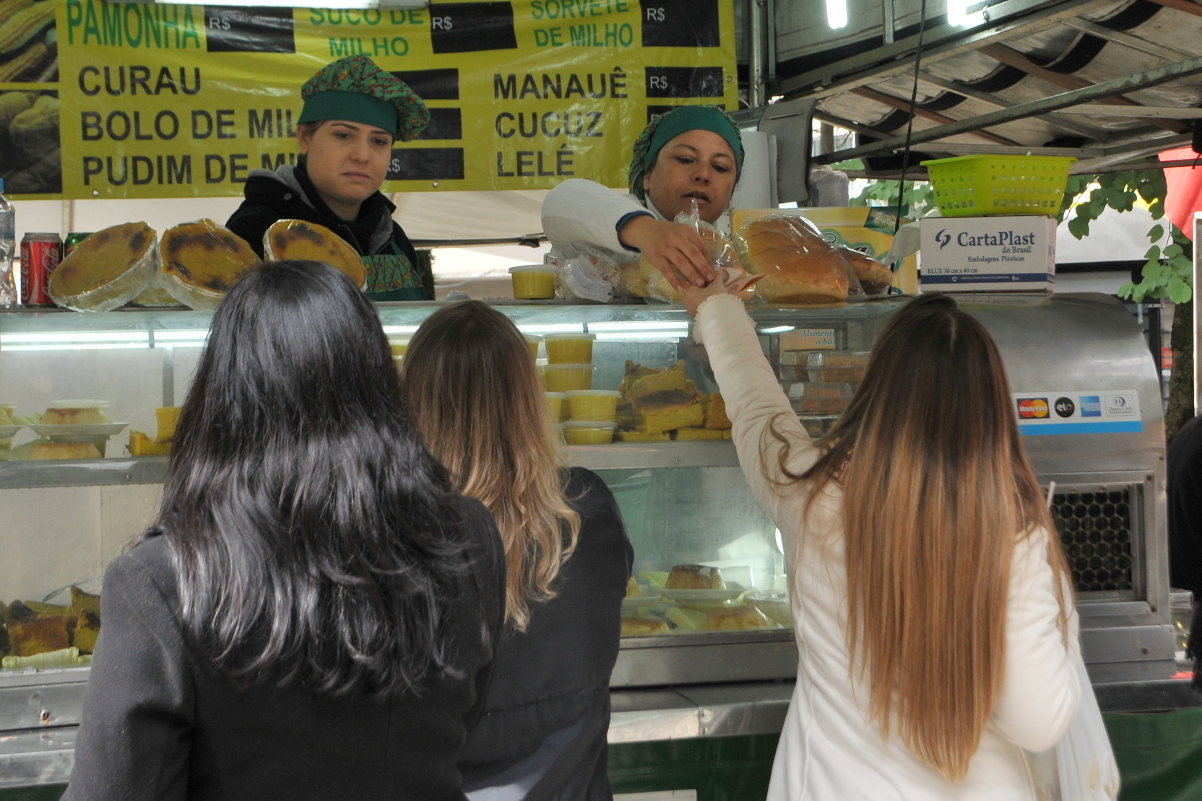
point(1065, 407)
point(943, 238)
point(1033, 408)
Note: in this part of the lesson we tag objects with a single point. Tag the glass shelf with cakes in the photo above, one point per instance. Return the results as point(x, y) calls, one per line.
point(87, 411)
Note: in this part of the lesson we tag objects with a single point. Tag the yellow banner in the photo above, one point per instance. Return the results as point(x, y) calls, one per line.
point(144, 100)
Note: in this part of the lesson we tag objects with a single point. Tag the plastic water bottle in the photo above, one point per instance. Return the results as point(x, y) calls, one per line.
point(8, 249)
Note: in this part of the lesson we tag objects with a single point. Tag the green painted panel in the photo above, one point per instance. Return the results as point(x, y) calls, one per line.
point(1159, 755)
point(47, 792)
point(718, 768)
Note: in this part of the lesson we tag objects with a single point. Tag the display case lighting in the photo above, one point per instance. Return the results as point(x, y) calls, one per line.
point(95, 340)
point(836, 14)
point(776, 329)
point(637, 330)
point(400, 329)
point(552, 328)
point(180, 339)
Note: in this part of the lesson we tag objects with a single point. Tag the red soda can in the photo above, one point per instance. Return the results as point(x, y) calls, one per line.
point(40, 255)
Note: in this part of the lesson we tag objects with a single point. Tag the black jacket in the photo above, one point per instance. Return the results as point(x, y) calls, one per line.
point(159, 724)
point(550, 688)
point(288, 194)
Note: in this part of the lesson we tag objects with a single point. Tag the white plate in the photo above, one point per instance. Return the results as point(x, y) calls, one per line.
point(64, 433)
point(8, 431)
point(79, 404)
point(631, 605)
point(703, 596)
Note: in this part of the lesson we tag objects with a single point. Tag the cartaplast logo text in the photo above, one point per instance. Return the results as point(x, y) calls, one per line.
point(993, 240)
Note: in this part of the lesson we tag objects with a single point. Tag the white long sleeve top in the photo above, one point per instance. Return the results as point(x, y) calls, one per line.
point(829, 747)
point(580, 211)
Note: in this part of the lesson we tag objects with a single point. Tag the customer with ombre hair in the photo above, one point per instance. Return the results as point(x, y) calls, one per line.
point(477, 398)
point(932, 604)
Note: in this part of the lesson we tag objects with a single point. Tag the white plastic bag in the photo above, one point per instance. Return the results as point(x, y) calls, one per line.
point(585, 273)
point(1081, 767)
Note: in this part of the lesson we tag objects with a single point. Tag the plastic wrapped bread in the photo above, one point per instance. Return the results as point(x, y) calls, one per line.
point(798, 265)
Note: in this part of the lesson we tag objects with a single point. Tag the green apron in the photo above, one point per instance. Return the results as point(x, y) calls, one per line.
point(390, 276)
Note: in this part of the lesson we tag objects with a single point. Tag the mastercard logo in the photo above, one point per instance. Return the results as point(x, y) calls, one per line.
point(1033, 408)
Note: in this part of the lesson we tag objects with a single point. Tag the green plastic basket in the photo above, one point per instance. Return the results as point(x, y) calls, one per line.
point(979, 186)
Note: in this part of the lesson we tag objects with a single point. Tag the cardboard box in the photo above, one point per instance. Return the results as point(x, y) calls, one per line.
point(988, 254)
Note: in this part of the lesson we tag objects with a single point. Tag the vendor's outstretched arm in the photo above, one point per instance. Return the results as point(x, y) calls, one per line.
point(580, 211)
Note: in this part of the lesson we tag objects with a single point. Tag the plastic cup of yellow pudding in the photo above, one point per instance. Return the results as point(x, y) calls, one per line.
point(556, 403)
point(589, 432)
point(568, 377)
point(533, 342)
point(569, 348)
point(593, 404)
point(533, 281)
point(166, 418)
point(399, 346)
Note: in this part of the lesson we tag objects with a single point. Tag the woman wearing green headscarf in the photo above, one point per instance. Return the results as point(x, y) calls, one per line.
point(353, 113)
point(691, 154)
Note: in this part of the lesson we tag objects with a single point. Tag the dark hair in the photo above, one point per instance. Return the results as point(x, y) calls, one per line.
point(314, 538)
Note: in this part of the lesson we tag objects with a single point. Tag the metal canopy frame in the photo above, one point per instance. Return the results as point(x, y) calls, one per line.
point(865, 77)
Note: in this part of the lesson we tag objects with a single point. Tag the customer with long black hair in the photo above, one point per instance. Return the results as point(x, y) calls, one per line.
point(313, 614)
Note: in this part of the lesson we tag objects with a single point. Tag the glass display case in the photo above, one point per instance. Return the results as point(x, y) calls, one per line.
point(686, 505)
point(75, 491)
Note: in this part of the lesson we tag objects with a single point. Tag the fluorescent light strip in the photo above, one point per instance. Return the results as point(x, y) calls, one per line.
point(553, 328)
point(777, 329)
point(836, 13)
point(645, 336)
point(107, 340)
point(400, 329)
point(957, 12)
point(180, 339)
point(597, 328)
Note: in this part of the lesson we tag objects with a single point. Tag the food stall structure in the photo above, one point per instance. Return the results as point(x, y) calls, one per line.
point(1084, 385)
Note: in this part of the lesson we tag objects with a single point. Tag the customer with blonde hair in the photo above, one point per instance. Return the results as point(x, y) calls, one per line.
point(931, 601)
point(476, 395)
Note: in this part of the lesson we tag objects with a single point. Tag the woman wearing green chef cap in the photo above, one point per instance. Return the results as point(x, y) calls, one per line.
point(691, 154)
point(353, 113)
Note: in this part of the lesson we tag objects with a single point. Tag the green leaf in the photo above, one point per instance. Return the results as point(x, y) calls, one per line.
point(1172, 250)
point(1181, 294)
point(1153, 254)
point(1078, 227)
point(1126, 290)
point(1157, 208)
point(1157, 233)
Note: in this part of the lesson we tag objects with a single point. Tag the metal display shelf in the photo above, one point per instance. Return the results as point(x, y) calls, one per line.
point(153, 469)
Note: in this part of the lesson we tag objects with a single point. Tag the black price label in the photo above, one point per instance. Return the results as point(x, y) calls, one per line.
point(685, 82)
point(249, 30)
point(432, 84)
point(472, 27)
point(680, 23)
point(653, 110)
point(445, 123)
point(426, 164)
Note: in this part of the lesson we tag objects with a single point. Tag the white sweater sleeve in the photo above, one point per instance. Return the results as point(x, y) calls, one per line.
point(754, 401)
point(580, 211)
point(1041, 691)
